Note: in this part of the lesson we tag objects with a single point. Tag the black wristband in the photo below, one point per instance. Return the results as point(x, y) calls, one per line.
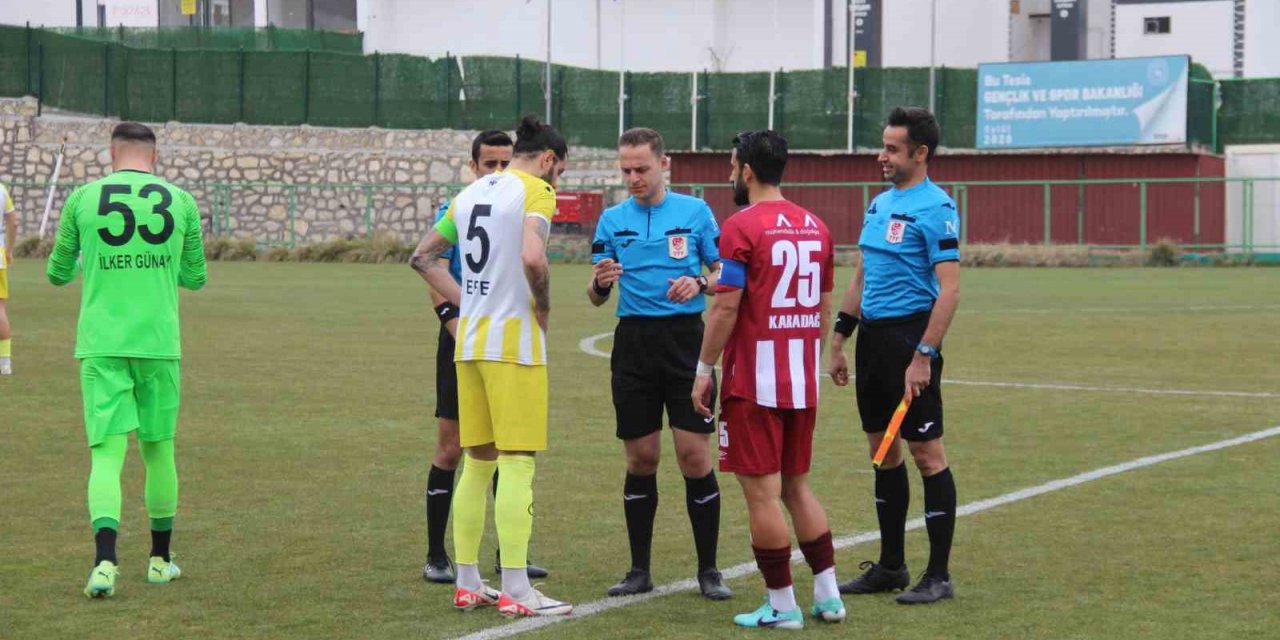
point(703, 283)
point(603, 292)
point(846, 323)
point(446, 312)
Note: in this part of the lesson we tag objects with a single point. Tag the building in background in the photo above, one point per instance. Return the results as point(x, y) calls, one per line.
point(1233, 38)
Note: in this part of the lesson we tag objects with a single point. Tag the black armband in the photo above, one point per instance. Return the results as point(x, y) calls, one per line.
point(446, 311)
point(846, 323)
point(603, 292)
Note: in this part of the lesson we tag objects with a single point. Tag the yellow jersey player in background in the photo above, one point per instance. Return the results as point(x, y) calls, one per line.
point(8, 237)
point(500, 224)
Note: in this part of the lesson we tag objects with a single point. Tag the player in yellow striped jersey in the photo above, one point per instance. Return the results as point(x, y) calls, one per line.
point(500, 224)
point(8, 237)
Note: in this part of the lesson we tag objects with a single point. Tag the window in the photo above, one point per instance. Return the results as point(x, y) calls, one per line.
point(1155, 25)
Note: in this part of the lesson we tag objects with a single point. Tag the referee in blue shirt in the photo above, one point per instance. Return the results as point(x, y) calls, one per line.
point(903, 296)
point(654, 247)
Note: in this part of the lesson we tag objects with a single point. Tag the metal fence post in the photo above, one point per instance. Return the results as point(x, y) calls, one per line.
point(377, 88)
point(368, 211)
point(40, 95)
point(519, 97)
point(1048, 214)
point(293, 215)
point(693, 100)
point(173, 57)
point(964, 215)
point(773, 93)
point(240, 87)
point(306, 90)
point(448, 85)
point(1195, 229)
point(26, 52)
point(106, 77)
point(1080, 213)
point(1247, 233)
point(1142, 215)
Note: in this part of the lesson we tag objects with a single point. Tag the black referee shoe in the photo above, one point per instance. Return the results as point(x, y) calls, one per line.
point(535, 572)
point(636, 581)
point(877, 579)
point(712, 585)
point(929, 589)
point(438, 570)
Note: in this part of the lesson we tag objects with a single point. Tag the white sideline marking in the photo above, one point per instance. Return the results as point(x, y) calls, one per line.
point(588, 346)
point(600, 606)
point(1068, 310)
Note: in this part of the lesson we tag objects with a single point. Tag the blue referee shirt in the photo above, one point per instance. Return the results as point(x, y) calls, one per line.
point(904, 234)
point(654, 245)
point(455, 262)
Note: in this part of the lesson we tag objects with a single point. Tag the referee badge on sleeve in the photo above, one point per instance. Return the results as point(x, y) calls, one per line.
point(893, 234)
point(678, 247)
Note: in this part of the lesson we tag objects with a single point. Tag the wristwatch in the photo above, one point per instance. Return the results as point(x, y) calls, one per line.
point(702, 283)
point(927, 350)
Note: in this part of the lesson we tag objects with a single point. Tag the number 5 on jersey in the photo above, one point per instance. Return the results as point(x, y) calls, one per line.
point(477, 233)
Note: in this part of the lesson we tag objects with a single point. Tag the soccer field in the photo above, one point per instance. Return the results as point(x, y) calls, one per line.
point(307, 432)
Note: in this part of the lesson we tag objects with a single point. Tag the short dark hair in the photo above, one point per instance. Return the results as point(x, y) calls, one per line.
point(641, 136)
point(922, 128)
point(533, 137)
point(490, 138)
point(766, 153)
point(133, 132)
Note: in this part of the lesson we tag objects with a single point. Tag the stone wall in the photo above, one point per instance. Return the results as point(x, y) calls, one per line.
point(275, 184)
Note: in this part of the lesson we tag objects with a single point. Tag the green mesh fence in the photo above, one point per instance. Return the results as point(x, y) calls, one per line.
point(263, 76)
point(1250, 112)
point(957, 106)
point(247, 38)
point(730, 104)
point(275, 87)
point(814, 109)
point(413, 91)
point(74, 72)
point(148, 93)
point(15, 62)
point(587, 106)
point(661, 101)
point(487, 94)
point(208, 85)
point(879, 91)
point(342, 90)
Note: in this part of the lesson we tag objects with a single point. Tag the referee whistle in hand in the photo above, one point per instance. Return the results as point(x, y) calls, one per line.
point(607, 272)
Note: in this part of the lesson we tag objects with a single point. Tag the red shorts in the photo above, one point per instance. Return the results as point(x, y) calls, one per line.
point(756, 440)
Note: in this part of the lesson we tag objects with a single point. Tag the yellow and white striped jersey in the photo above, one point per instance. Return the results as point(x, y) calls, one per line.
point(496, 318)
point(6, 209)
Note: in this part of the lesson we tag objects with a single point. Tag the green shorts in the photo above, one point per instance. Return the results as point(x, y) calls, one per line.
point(127, 394)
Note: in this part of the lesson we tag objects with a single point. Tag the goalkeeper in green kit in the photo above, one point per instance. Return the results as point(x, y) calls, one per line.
point(138, 239)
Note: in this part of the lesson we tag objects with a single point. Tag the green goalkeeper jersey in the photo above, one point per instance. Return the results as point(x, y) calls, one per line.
point(138, 238)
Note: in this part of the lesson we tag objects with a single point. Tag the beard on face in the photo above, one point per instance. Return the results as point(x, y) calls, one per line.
point(741, 196)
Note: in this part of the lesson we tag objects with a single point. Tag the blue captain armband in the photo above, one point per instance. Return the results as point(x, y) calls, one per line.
point(733, 274)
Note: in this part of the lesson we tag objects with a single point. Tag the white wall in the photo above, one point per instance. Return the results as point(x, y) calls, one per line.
point(1262, 39)
point(1244, 161)
point(968, 32)
point(45, 12)
point(1201, 29)
point(639, 35)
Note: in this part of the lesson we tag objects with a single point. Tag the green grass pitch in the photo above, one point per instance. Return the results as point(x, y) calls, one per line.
point(307, 432)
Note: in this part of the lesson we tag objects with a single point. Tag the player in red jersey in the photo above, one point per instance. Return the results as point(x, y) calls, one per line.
point(770, 317)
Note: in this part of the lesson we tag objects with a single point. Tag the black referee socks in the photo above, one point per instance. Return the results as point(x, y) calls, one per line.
point(893, 496)
point(940, 520)
point(439, 497)
point(702, 499)
point(640, 504)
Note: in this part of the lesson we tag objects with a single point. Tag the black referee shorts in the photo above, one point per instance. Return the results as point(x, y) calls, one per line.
point(882, 354)
point(654, 363)
point(446, 377)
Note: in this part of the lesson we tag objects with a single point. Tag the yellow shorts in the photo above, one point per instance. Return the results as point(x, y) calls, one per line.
point(503, 403)
point(4, 283)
